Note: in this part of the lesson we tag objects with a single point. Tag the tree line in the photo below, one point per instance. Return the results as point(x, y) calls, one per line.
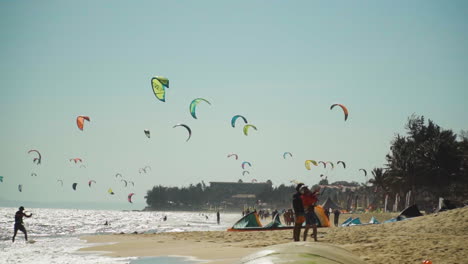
point(428, 160)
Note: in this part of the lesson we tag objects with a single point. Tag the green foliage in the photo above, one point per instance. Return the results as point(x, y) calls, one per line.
point(202, 197)
point(429, 161)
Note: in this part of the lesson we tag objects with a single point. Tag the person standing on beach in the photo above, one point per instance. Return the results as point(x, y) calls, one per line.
point(299, 214)
point(327, 213)
point(337, 216)
point(19, 223)
point(309, 199)
point(218, 218)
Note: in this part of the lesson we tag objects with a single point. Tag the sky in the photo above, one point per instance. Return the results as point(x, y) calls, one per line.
point(280, 64)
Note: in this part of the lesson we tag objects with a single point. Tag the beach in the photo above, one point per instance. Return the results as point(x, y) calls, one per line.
point(439, 237)
point(55, 232)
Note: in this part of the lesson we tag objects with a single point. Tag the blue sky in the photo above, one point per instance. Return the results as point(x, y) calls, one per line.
point(280, 64)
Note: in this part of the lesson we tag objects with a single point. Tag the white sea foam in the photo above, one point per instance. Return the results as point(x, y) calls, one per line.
point(57, 231)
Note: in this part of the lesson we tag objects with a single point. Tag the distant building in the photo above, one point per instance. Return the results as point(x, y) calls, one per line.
point(238, 194)
point(236, 188)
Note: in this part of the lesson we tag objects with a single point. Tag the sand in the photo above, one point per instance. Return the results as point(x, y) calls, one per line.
point(441, 238)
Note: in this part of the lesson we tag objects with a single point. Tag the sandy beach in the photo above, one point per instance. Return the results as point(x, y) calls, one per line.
point(439, 237)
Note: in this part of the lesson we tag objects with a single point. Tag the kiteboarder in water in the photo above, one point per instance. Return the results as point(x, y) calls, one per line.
point(19, 223)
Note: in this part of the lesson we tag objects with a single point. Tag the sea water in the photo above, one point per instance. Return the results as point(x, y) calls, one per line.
point(56, 232)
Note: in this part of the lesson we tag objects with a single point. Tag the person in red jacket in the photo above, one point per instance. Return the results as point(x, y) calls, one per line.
point(309, 199)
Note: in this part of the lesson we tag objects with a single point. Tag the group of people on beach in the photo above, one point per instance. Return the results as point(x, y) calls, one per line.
point(304, 201)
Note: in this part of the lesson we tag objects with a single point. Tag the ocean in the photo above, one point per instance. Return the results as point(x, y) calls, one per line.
point(56, 232)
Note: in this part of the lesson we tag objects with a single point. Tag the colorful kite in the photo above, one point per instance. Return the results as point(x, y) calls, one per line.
point(235, 155)
point(342, 163)
point(39, 157)
point(186, 127)
point(234, 118)
point(130, 197)
point(245, 163)
point(308, 162)
point(246, 129)
point(159, 85)
point(193, 106)
point(365, 172)
point(80, 121)
point(345, 110)
point(76, 160)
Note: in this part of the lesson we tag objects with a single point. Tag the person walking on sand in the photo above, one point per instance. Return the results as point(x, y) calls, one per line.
point(337, 216)
point(218, 218)
point(19, 223)
point(299, 214)
point(309, 199)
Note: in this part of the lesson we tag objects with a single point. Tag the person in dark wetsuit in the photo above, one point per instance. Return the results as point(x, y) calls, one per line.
point(19, 223)
point(327, 213)
point(299, 214)
point(337, 216)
